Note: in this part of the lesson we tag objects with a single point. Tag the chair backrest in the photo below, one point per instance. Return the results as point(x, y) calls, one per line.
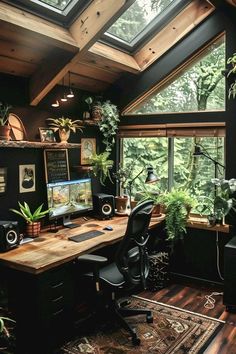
point(131, 256)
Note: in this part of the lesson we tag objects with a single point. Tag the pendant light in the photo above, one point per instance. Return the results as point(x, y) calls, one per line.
point(70, 93)
point(55, 104)
point(64, 98)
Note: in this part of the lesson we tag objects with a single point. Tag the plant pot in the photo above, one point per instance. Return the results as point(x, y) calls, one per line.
point(156, 210)
point(5, 132)
point(121, 204)
point(33, 229)
point(133, 204)
point(64, 135)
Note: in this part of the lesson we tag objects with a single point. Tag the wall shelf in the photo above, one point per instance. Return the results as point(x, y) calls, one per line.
point(37, 145)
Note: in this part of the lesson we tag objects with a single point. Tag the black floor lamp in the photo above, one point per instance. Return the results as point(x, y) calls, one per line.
point(198, 152)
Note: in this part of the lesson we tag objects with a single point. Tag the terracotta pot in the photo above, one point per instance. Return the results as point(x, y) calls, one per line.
point(33, 229)
point(64, 135)
point(156, 210)
point(5, 132)
point(133, 204)
point(121, 204)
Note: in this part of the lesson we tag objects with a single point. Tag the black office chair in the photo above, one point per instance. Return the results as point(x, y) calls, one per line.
point(129, 269)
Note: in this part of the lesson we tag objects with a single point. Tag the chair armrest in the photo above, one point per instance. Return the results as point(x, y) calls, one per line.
point(91, 258)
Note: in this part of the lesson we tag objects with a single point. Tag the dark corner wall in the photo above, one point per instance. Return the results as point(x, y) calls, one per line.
point(14, 91)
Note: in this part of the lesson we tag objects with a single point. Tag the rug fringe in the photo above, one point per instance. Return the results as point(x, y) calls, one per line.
point(178, 308)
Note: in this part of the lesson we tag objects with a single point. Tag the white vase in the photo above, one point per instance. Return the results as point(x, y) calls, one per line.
point(64, 135)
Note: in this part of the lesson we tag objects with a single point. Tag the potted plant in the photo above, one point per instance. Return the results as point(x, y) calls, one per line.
point(64, 126)
point(4, 126)
point(157, 199)
point(33, 225)
point(95, 108)
point(7, 340)
point(223, 201)
point(232, 89)
point(101, 165)
point(108, 124)
point(122, 176)
point(178, 204)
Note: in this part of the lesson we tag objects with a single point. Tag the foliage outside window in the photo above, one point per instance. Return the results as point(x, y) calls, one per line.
point(200, 87)
point(173, 161)
point(136, 18)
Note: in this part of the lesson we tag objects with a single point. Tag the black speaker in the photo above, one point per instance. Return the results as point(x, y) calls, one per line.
point(229, 298)
point(103, 206)
point(9, 235)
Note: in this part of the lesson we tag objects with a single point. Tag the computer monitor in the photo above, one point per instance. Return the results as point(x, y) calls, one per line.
point(69, 197)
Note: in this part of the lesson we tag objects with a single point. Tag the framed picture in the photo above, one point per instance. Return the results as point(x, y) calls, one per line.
point(3, 180)
point(88, 148)
point(26, 178)
point(56, 165)
point(47, 135)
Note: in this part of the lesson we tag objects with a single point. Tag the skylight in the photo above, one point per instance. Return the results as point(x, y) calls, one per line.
point(141, 20)
point(136, 18)
point(58, 4)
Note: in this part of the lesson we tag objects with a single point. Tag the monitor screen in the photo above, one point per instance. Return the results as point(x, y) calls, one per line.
point(68, 198)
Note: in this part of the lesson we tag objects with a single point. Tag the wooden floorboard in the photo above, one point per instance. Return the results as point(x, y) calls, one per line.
point(192, 298)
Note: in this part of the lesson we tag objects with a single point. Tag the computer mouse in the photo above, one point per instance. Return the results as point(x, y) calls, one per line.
point(108, 228)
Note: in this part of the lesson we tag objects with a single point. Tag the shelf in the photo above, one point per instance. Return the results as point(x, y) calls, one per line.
point(37, 145)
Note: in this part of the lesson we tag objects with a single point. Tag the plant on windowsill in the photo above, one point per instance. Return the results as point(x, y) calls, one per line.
point(101, 166)
point(4, 125)
point(33, 225)
point(64, 126)
point(178, 204)
point(122, 176)
point(223, 201)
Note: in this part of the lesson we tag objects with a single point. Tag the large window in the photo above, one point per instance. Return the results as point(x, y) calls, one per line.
point(174, 162)
point(198, 86)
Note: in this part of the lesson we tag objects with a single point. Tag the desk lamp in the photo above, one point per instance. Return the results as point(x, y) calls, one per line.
point(151, 178)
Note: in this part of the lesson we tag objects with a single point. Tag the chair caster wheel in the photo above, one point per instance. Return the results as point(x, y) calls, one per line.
point(149, 319)
point(136, 341)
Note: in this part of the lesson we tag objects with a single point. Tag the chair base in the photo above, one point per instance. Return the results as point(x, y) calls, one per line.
point(120, 312)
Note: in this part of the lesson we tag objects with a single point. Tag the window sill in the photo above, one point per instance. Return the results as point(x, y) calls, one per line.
point(203, 225)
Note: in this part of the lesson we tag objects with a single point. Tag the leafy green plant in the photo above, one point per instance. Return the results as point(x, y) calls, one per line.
point(4, 113)
point(223, 202)
point(178, 204)
point(108, 125)
point(232, 89)
point(101, 165)
point(28, 215)
point(3, 328)
point(123, 175)
point(65, 123)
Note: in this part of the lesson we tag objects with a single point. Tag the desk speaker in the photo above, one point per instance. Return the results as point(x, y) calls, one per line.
point(9, 235)
point(103, 205)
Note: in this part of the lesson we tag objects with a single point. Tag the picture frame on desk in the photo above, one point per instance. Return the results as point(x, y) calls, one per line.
point(88, 149)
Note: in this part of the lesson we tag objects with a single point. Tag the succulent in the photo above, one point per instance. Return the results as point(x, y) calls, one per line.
point(29, 216)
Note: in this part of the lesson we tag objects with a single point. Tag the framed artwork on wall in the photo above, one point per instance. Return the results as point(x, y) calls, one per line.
point(26, 178)
point(88, 148)
point(56, 165)
point(3, 180)
point(47, 135)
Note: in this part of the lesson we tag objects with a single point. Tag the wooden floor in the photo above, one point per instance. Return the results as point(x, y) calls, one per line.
point(193, 299)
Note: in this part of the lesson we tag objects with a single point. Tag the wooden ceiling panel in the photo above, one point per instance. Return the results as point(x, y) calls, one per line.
point(92, 71)
point(88, 84)
point(99, 63)
point(16, 67)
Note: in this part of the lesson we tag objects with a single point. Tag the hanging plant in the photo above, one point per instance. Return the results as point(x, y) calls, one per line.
point(232, 71)
point(108, 125)
point(101, 165)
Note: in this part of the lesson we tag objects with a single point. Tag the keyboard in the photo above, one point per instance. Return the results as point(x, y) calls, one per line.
point(85, 236)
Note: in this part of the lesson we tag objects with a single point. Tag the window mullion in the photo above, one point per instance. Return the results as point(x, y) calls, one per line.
point(170, 163)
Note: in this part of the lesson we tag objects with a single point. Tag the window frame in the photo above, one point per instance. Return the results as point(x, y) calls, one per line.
point(156, 25)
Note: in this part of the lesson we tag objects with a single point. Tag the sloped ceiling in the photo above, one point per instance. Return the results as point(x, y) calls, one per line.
point(44, 52)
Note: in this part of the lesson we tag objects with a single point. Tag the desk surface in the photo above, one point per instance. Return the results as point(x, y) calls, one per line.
point(52, 249)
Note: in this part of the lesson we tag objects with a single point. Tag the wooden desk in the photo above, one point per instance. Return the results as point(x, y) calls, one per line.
point(41, 280)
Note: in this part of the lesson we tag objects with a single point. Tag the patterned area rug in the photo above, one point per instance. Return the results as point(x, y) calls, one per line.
point(172, 331)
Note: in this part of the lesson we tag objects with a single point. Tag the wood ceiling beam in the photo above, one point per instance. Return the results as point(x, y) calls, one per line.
point(33, 26)
point(86, 29)
point(119, 59)
point(181, 25)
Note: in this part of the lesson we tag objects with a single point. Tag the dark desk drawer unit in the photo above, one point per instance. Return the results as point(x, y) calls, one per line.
point(43, 308)
point(230, 275)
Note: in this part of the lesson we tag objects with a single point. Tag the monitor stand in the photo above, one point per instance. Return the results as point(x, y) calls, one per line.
point(68, 223)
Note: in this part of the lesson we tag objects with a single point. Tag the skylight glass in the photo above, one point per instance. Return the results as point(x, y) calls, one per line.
point(137, 18)
point(58, 4)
